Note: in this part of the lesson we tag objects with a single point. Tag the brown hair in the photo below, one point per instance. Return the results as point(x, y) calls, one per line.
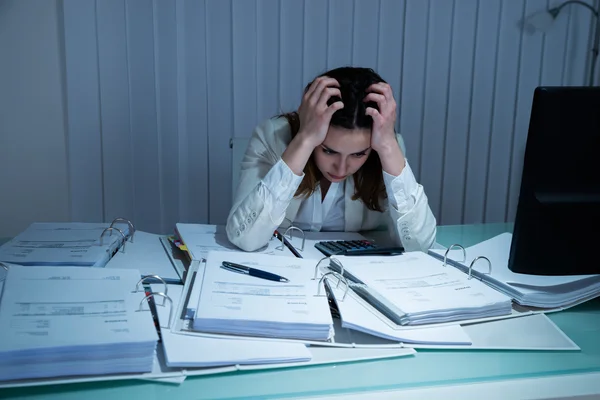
point(368, 180)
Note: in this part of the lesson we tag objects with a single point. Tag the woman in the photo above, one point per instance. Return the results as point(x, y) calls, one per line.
point(334, 165)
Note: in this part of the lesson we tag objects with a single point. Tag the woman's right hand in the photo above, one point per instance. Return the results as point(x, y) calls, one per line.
point(314, 113)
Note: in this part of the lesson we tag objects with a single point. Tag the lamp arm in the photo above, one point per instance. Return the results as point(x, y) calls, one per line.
point(554, 11)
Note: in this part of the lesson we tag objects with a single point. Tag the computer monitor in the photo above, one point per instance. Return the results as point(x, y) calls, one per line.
point(557, 225)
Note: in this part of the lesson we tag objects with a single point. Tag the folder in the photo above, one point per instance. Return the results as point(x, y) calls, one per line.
point(153, 255)
point(520, 332)
point(64, 321)
point(199, 239)
point(78, 244)
point(533, 292)
point(415, 289)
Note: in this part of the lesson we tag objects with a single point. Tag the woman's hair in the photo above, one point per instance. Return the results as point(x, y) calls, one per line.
point(368, 180)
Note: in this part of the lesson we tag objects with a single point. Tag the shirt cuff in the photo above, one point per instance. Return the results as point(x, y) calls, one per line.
point(402, 189)
point(282, 183)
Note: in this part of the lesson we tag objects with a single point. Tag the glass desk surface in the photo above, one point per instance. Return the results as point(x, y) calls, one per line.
point(428, 368)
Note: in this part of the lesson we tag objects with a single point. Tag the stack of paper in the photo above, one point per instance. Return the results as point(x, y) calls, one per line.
point(527, 290)
point(78, 244)
point(64, 321)
point(240, 304)
point(414, 288)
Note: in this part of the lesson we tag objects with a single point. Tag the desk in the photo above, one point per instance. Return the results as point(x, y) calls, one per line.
point(430, 374)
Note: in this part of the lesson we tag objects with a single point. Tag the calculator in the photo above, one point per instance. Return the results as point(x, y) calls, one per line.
point(355, 248)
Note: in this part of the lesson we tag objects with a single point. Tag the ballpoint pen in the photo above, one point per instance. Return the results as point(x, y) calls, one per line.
point(242, 269)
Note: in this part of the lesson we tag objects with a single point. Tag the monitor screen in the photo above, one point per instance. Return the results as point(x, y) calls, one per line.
point(557, 225)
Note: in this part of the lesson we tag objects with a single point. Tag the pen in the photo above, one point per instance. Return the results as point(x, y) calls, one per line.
point(242, 269)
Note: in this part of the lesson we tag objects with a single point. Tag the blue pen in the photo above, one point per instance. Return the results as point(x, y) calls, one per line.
point(242, 269)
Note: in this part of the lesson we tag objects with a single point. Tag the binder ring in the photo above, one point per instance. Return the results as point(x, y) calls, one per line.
point(114, 229)
point(128, 223)
point(340, 279)
point(292, 228)
point(317, 267)
point(137, 287)
point(164, 296)
point(478, 258)
point(450, 248)
point(335, 260)
point(4, 266)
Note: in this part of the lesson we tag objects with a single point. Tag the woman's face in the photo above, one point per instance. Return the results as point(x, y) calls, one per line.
point(343, 152)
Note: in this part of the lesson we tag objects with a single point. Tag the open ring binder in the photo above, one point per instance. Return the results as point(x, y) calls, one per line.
point(131, 227)
point(292, 228)
point(137, 286)
point(164, 296)
point(339, 277)
point(450, 248)
point(317, 267)
point(477, 259)
point(114, 229)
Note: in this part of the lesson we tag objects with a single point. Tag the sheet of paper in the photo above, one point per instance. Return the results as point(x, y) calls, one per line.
point(147, 254)
point(200, 239)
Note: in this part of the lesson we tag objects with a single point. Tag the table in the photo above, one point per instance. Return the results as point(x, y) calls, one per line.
point(430, 374)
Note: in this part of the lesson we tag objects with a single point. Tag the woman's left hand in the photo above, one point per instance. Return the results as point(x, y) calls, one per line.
point(383, 137)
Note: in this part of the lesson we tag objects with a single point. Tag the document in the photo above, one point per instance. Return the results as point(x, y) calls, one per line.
point(414, 288)
point(200, 239)
point(548, 292)
point(56, 321)
point(235, 303)
point(150, 255)
point(64, 244)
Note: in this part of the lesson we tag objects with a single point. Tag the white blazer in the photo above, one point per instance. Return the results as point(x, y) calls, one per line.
point(250, 224)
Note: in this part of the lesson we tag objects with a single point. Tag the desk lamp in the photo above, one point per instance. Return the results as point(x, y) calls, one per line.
point(542, 21)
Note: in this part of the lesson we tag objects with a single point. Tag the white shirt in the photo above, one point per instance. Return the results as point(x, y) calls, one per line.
point(329, 214)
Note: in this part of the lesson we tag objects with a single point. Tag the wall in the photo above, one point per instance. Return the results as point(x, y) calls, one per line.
point(155, 90)
point(33, 156)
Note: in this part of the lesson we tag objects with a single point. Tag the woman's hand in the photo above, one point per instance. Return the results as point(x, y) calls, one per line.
point(383, 137)
point(315, 114)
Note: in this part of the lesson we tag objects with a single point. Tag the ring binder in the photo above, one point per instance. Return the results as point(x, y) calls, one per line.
point(292, 228)
point(131, 227)
point(137, 286)
point(114, 229)
point(317, 267)
point(165, 297)
point(450, 248)
point(340, 279)
point(478, 258)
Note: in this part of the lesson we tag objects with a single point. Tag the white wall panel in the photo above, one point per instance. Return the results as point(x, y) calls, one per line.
point(156, 90)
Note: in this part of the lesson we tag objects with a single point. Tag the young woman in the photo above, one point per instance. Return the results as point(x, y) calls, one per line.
point(334, 165)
